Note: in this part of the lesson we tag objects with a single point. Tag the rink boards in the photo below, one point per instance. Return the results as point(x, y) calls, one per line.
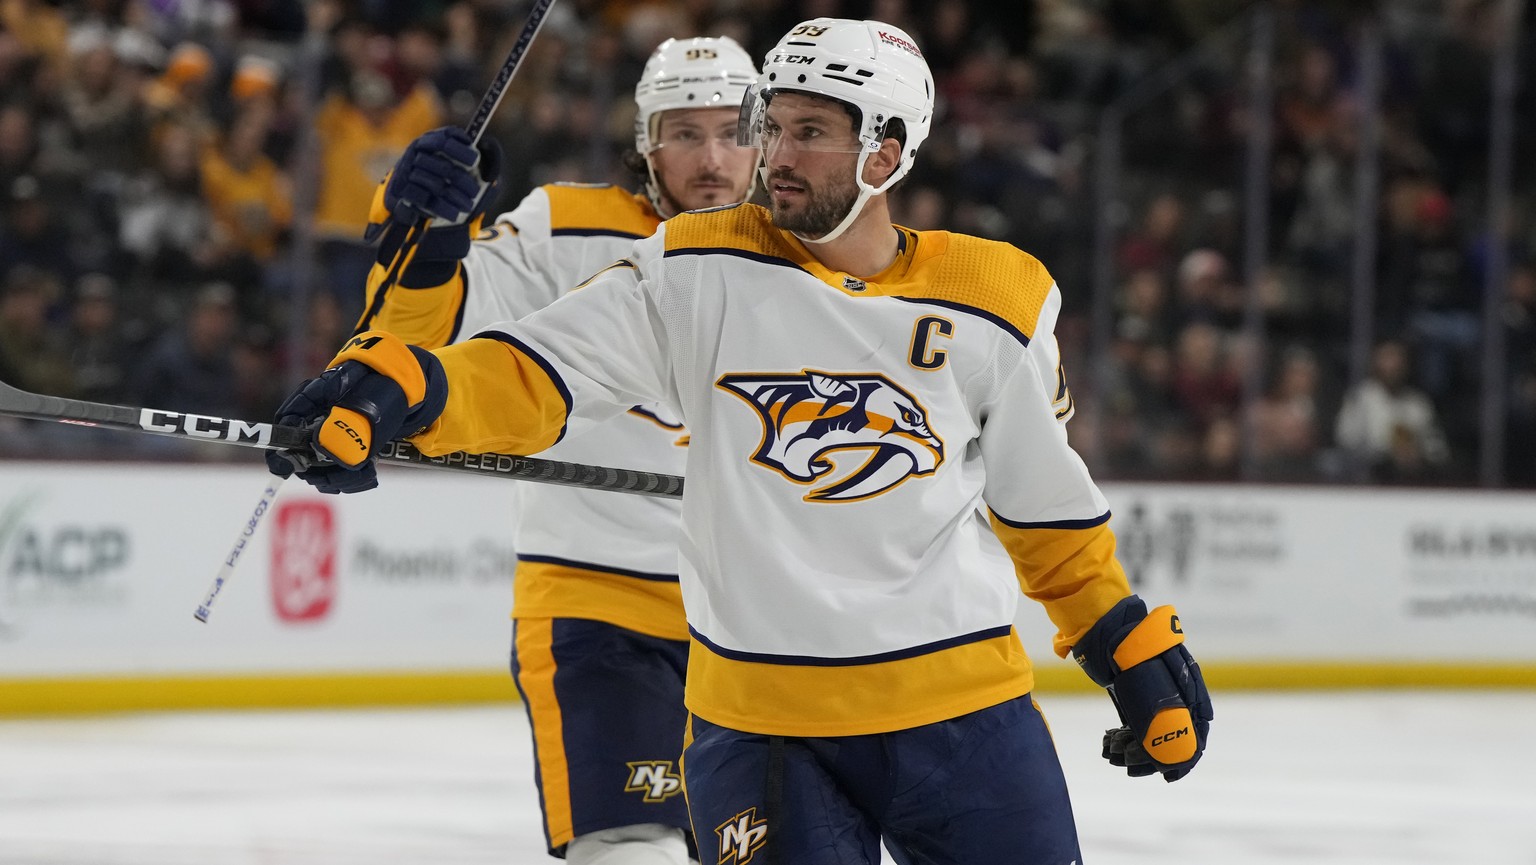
point(402, 595)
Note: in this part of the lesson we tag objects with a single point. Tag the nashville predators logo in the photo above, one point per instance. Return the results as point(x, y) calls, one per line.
point(741, 837)
point(812, 418)
point(653, 780)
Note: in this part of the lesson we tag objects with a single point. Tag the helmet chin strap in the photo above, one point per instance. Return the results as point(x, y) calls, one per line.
point(653, 189)
point(865, 193)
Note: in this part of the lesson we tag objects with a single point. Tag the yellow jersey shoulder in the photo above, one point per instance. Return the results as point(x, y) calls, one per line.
point(743, 227)
point(581, 208)
point(995, 277)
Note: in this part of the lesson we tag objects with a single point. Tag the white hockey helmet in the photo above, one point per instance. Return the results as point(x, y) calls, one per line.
point(873, 66)
point(703, 72)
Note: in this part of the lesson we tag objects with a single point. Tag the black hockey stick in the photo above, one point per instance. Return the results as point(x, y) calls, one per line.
point(476, 129)
point(20, 403)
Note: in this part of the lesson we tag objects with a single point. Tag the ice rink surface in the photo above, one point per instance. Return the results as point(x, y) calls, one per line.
point(1327, 778)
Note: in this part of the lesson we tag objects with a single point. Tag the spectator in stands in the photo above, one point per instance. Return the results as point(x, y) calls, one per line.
point(256, 391)
point(1158, 242)
point(1322, 229)
point(102, 110)
point(362, 129)
point(1221, 452)
point(165, 222)
point(1388, 426)
point(1205, 291)
point(248, 195)
point(255, 80)
point(40, 29)
point(32, 355)
point(1204, 385)
point(1144, 307)
point(32, 233)
point(1286, 423)
point(18, 143)
point(1520, 345)
point(192, 367)
point(97, 340)
point(180, 96)
point(1427, 269)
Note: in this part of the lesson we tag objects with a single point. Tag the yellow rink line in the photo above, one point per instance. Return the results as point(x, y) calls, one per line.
point(86, 695)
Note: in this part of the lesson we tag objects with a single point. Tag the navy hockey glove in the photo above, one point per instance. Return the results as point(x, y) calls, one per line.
point(1156, 685)
point(443, 177)
point(377, 389)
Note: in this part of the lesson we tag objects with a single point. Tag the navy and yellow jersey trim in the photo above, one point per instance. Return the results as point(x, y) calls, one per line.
point(552, 587)
point(502, 396)
point(1051, 558)
point(795, 696)
point(856, 661)
point(988, 278)
point(1061, 401)
point(535, 679)
point(582, 210)
point(646, 414)
point(621, 264)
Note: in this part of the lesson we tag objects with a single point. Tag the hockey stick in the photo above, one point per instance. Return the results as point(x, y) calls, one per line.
point(227, 570)
point(20, 403)
point(476, 129)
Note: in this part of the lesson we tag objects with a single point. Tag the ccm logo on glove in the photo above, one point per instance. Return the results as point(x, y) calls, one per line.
point(348, 422)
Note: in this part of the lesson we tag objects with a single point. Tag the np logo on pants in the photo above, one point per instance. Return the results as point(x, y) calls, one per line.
point(653, 780)
point(740, 837)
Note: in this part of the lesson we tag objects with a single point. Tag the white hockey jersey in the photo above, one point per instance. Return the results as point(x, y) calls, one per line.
point(850, 440)
point(581, 553)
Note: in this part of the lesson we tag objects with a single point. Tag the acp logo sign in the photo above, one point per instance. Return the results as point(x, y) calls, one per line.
point(303, 560)
point(43, 559)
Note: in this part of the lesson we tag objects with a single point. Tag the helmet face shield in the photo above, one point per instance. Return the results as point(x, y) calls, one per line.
point(755, 127)
point(690, 136)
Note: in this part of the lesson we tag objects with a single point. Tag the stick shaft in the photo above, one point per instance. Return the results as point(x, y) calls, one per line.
point(476, 129)
point(242, 540)
point(514, 59)
point(20, 403)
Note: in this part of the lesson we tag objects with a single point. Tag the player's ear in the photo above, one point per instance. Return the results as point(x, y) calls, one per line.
point(882, 162)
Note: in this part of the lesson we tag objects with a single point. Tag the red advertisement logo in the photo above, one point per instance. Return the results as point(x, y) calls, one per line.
point(303, 560)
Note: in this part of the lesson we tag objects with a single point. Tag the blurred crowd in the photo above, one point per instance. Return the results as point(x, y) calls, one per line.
point(185, 185)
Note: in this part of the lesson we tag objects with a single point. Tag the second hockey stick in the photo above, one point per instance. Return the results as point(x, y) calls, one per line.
point(476, 129)
point(20, 403)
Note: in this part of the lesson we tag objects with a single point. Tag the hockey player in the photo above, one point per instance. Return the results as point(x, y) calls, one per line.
point(875, 470)
point(600, 643)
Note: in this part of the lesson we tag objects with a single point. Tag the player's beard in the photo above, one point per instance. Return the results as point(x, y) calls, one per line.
point(678, 205)
point(821, 211)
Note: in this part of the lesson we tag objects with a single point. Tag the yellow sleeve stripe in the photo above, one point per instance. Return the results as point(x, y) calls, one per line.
point(427, 317)
point(1069, 566)
point(605, 210)
point(1152, 636)
point(386, 354)
point(502, 397)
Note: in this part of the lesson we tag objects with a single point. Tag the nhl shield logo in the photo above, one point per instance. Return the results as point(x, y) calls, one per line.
point(852, 435)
